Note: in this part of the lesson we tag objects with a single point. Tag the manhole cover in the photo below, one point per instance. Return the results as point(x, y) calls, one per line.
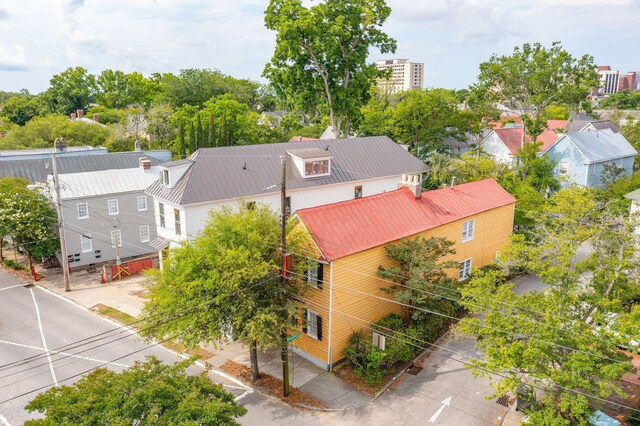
point(504, 400)
point(414, 369)
point(28, 285)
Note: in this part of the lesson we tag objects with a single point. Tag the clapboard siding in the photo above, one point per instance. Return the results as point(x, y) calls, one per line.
point(100, 224)
point(356, 274)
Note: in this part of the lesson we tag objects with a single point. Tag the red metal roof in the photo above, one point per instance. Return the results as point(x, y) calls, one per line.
point(512, 138)
point(557, 124)
point(353, 226)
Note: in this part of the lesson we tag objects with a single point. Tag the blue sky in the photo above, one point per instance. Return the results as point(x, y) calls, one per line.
point(40, 38)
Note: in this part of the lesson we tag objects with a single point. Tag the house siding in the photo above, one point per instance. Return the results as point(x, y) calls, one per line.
point(357, 273)
point(99, 225)
point(493, 146)
point(564, 150)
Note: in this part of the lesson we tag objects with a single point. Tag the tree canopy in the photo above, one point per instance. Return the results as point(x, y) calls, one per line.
point(320, 58)
point(535, 77)
point(148, 393)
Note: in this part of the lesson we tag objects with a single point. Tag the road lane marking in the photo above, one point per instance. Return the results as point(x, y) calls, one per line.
point(53, 351)
point(4, 421)
point(44, 342)
point(445, 403)
point(13, 286)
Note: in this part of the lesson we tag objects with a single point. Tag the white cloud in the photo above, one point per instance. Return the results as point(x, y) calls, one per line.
point(13, 59)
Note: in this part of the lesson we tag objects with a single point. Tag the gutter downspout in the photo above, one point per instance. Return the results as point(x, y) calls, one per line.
point(329, 354)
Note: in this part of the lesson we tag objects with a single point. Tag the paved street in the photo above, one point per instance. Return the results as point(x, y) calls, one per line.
point(33, 320)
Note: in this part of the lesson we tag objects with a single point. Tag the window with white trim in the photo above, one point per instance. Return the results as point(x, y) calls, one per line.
point(593, 168)
point(86, 243)
point(467, 230)
point(176, 213)
point(164, 177)
point(314, 273)
point(161, 214)
point(142, 203)
point(313, 325)
point(144, 234)
point(83, 211)
point(116, 238)
point(563, 168)
point(316, 167)
point(465, 269)
point(112, 206)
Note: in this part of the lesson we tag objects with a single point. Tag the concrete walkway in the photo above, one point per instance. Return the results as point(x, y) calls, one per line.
point(127, 295)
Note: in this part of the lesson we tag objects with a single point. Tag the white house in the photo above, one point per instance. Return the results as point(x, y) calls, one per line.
point(318, 172)
point(503, 144)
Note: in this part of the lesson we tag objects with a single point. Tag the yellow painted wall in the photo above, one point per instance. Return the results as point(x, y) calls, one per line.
point(357, 273)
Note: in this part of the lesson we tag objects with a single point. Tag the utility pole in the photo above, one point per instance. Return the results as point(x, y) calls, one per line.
point(283, 241)
point(63, 246)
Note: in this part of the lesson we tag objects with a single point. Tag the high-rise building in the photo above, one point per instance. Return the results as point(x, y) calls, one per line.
point(612, 82)
point(404, 76)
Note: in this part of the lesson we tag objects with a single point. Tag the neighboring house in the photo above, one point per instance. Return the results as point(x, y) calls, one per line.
point(106, 214)
point(456, 148)
point(37, 170)
point(581, 156)
point(503, 144)
point(635, 206)
point(272, 119)
point(39, 153)
point(592, 126)
point(349, 241)
point(318, 172)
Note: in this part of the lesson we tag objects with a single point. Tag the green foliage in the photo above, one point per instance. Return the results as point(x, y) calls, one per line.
point(149, 393)
point(20, 109)
point(71, 90)
point(106, 115)
point(237, 124)
point(320, 59)
point(631, 131)
point(417, 269)
point(41, 132)
point(13, 265)
point(534, 78)
point(28, 218)
point(555, 112)
point(367, 360)
point(230, 270)
point(624, 99)
point(115, 89)
point(547, 339)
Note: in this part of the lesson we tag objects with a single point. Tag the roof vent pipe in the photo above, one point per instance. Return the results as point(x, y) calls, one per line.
point(453, 181)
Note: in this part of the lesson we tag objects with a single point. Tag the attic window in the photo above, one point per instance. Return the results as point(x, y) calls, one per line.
point(165, 177)
point(316, 167)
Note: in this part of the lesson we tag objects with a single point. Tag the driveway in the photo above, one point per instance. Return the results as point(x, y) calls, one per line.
point(38, 349)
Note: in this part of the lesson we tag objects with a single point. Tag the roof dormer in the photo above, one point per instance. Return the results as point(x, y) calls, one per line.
point(170, 173)
point(312, 162)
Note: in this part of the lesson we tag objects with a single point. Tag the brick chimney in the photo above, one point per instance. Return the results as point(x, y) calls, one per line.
point(80, 113)
point(145, 163)
point(413, 183)
point(96, 118)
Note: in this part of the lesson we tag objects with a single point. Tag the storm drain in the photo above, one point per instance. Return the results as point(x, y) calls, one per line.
point(414, 369)
point(504, 400)
point(28, 286)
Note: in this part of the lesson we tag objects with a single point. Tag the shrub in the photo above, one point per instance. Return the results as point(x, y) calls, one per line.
point(13, 265)
point(368, 361)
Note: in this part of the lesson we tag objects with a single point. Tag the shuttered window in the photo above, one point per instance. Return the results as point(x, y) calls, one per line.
point(315, 274)
point(312, 324)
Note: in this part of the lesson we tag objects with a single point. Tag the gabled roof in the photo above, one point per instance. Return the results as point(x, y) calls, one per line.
point(512, 138)
point(226, 173)
point(353, 226)
point(38, 170)
point(557, 124)
point(600, 145)
point(104, 182)
point(601, 125)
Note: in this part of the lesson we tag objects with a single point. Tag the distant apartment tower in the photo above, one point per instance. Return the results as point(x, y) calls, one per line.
point(405, 75)
point(612, 82)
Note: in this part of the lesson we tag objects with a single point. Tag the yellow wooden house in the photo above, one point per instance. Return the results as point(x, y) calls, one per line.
point(346, 246)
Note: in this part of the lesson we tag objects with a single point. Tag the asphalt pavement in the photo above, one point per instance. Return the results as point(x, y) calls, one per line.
point(46, 340)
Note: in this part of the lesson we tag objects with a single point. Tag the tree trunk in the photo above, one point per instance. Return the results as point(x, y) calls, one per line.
point(1, 247)
point(253, 354)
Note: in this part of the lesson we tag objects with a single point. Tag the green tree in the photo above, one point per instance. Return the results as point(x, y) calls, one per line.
point(182, 147)
point(20, 109)
point(115, 89)
point(40, 132)
point(238, 124)
point(211, 134)
point(631, 131)
point(418, 270)
point(28, 218)
point(230, 272)
point(200, 141)
point(624, 99)
point(548, 339)
point(71, 90)
point(535, 77)
point(193, 138)
point(148, 393)
point(320, 59)
point(159, 126)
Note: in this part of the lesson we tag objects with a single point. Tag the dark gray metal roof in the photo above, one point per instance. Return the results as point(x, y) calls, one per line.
point(177, 163)
point(37, 170)
point(242, 171)
point(601, 145)
point(605, 124)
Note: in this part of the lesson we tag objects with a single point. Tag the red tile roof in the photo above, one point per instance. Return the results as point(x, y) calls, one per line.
point(512, 138)
point(353, 226)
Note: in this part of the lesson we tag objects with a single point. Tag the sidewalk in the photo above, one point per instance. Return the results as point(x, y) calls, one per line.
point(126, 295)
